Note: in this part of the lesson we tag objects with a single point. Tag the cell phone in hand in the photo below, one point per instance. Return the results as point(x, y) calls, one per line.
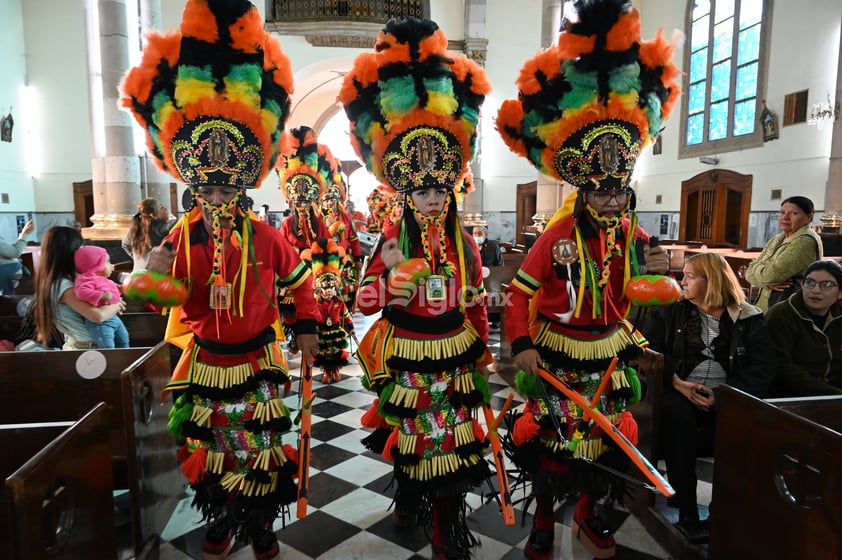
point(703, 392)
point(654, 242)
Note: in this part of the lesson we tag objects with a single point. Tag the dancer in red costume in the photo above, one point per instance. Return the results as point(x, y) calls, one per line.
point(338, 222)
point(586, 108)
point(335, 323)
point(232, 375)
point(414, 108)
point(304, 174)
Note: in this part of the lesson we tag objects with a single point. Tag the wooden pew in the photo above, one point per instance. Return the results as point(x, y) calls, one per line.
point(58, 492)
point(777, 486)
point(45, 387)
point(146, 328)
point(640, 501)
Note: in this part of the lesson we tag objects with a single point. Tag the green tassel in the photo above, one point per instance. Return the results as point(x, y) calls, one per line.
point(180, 413)
point(634, 383)
point(385, 395)
point(527, 385)
point(481, 385)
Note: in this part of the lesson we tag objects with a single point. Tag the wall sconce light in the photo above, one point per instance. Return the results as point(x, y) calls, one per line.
point(823, 113)
point(709, 160)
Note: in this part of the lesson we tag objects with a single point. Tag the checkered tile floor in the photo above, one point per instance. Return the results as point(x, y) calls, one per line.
point(349, 514)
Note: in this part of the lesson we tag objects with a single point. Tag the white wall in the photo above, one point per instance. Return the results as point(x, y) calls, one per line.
point(14, 178)
point(805, 47)
point(804, 54)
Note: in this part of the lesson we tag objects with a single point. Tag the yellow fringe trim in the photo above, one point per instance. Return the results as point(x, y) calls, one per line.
point(406, 443)
point(435, 349)
point(618, 379)
point(269, 410)
point(227, 376)
point(201, 416)
point(214, 461)
point(464, 383)
point(607, 347)
point(234, 482)
point(463, 434)
point(404, 396)
point(439, 465)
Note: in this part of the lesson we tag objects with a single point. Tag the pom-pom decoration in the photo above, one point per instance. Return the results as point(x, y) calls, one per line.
point(652, 290)
point(156, 288)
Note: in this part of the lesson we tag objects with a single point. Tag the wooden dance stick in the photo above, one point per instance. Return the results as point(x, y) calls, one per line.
point(306, 391)
point(606, 377)
point(497, 451)
point(638, 458)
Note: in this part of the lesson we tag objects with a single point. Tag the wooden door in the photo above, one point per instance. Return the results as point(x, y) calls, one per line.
point(83, 202)
point(527, 196)
point(714, 208)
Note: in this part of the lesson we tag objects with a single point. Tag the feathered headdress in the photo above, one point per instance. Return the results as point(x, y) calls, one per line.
point(588, 106)
point(325, 257)
point(306, 170)
point(212, 97)
point(335, 188)
point(414, 107)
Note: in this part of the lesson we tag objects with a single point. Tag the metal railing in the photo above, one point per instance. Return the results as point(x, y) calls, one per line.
point(373, 11)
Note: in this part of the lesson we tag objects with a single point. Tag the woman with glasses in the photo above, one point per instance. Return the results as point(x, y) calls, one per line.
point(807, 330)
point(710, 337)
point(778, 269)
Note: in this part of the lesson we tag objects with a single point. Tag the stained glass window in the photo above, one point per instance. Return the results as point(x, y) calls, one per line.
point(725, 66)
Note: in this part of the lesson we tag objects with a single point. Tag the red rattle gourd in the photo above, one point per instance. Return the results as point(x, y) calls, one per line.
point(652, 290)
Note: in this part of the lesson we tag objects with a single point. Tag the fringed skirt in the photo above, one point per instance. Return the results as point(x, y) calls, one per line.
point(232, 417)
point(429, 390)
point(333, 347)
point(549, 439)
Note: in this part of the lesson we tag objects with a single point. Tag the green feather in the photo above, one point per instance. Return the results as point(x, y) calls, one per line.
point(481, 384)
point(248, 73)
point(634, 382)
point(180, 413)
point(397, 95)
point(625, 79)
point(527, 385)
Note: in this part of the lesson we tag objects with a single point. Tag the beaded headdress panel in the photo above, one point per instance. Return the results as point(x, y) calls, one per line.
point(304, 173)
point(587, 106)
point(414, 107)
point(213, 96)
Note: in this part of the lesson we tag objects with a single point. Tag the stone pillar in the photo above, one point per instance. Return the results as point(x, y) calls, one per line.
point(475, 48)
point(550, 22)
point(114, 161)
point(551, 193)
point(833, 187)
point(154, 183)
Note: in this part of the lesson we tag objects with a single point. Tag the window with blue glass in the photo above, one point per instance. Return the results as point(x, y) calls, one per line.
point(725, 71)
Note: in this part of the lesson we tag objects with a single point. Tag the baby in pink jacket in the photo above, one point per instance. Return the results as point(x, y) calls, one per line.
point(93, 285)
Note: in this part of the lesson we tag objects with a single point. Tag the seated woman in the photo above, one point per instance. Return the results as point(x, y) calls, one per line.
point(711, 336)
point(807, 330)
point(778, 270)
point(56, 304)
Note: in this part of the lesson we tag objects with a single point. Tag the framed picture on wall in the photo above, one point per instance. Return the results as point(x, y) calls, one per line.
point(795, 107)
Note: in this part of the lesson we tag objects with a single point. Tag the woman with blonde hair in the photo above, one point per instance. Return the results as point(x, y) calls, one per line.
point(710, 337)
point(149, 227)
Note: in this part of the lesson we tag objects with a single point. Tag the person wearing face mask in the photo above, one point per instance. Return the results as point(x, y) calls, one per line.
point(413, 109)
point(807, 330)
point(489, 249)
point(232, 375)
point(571, 125)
